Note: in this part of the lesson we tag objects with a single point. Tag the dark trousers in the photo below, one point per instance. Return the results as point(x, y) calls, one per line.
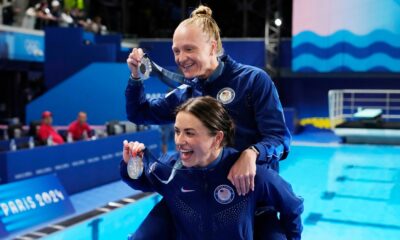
point(268, 227)
point(159, 225)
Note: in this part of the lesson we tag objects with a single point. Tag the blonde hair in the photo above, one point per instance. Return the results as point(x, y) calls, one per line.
point(202, 17)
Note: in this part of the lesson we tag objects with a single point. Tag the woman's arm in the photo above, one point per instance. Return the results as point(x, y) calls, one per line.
point(272, 190)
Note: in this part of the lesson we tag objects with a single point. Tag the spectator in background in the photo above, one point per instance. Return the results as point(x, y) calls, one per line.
point(19, 8)
point(94, 25)
point(46, 131)
point(78, 16)
point(80, 129)
point(6, 12)
point(56, 12)
point(43, 15)
point(29, 20)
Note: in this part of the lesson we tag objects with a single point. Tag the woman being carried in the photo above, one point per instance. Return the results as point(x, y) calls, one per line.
point(194, 185)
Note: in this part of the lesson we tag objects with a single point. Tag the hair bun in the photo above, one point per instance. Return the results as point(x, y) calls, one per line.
point(201, 11)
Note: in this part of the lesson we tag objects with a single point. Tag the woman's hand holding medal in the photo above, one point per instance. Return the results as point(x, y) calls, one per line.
point(133, 157)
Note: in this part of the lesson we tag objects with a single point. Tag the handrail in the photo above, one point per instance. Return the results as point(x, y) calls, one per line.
point(344, 103)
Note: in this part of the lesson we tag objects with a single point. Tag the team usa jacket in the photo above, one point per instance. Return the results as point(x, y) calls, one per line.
point(204, 204)
point(248, 94)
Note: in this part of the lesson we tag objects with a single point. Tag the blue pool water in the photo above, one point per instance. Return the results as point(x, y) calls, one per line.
point(351, 191)
point(117, 224)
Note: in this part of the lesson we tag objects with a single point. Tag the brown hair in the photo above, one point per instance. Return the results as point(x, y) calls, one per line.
point(202, 17)
point(213, 115)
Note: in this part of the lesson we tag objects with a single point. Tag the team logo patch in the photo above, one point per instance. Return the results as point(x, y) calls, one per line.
point(226, 95)
point(224, 194)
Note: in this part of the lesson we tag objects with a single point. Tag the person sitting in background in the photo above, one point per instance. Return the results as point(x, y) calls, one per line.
point(46, 131)
point(80, 129)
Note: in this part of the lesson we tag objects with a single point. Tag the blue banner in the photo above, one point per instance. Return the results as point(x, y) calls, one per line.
point(21, 45)
point(79, 166)
point(27, 203)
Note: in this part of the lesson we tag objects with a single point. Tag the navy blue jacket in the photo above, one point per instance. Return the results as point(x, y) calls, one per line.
point(253, 104)
point(204, 204)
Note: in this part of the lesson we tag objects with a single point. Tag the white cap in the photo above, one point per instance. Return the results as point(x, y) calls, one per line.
point(55, 3)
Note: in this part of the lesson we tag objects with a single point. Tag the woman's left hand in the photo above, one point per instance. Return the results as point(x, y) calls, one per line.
point(242, 173)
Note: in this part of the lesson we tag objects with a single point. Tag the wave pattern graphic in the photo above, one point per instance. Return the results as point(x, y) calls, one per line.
point(343, 62)
point(343, 69)
point(346, 36)
point(378, 47)
point(343, 51)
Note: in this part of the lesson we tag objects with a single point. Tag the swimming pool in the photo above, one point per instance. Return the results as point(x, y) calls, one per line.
point(350, 191)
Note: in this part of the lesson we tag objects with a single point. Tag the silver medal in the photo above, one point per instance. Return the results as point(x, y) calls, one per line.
point(135, 167)
point(145, 68)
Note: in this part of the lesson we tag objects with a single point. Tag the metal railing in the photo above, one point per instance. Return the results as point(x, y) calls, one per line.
point(344, 103)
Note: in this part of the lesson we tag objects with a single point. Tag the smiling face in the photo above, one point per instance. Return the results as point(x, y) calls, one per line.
point(197, 147)
point(195, 53)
